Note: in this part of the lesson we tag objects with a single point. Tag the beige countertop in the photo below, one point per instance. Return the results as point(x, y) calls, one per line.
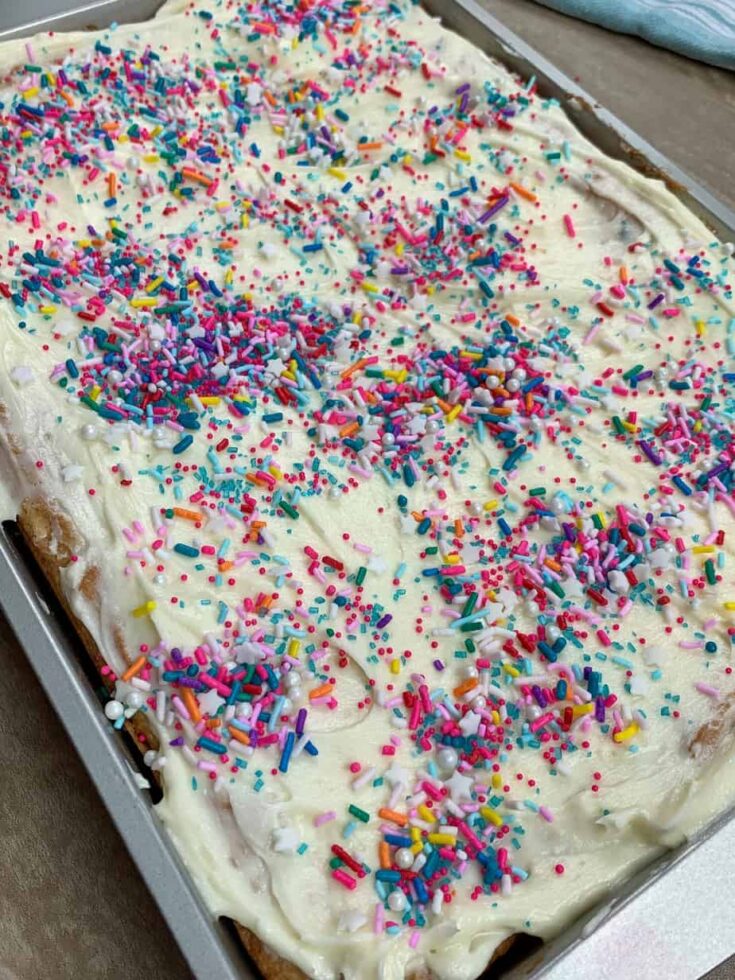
point(72, 904)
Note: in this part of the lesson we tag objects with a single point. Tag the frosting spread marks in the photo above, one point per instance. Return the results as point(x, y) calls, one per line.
point(400, 421)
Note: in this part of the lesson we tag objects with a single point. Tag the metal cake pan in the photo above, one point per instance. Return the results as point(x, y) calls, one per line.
point(655, 918)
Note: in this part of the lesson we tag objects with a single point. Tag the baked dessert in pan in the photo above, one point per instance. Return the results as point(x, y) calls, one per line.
point(376, 429)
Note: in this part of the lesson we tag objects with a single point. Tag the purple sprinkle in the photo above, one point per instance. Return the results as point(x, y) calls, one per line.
point(599, 709)
point(650, 452)
point(383, 621)
point(655, 301)
point(300, 721)
point(541, 698)
point(499, 204)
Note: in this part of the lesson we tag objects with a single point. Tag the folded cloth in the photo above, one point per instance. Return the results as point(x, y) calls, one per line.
point(700, 29)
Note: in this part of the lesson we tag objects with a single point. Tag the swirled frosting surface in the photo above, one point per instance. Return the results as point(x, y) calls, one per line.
point(396, 420)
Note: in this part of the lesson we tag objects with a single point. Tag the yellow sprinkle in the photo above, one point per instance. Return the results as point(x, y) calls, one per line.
point(395, 666)
point(278, 129)
point(730, 606)
point(630, 426)
point(626, 733)
point(142, 302)
point(222, 205)
point(156, 131)
point(274, 471)
point(294, 648)
point(192, 286)
point(210, 399)
point(95, 393)
point(490, 504)
point(452, 559)
point(703, 549)
point(701, 328)
point(336, 172)
point(319, 112)
point(425, 813)
point(578, 710)
point(145, 610)
point(511, 670)
point(491, 816)
point(151, 158)
point(496, 780)
point(442, 839)
point(47, 309)
point(228, 276)
point(154, 284)
point(697, 426)
point(408, 159)
point(451, 416)
point(398, 376)
point(471, 355)
point(601, 519)
point(462, 155)
point(399, 248)
point(369, 287)
point(26, 134)
point(495, 715)
point(31, 93)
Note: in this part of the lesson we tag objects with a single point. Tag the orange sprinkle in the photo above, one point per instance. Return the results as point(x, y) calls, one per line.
point(384, 854)
point(109, 126)
point(188, 515)
point(522, 192)
point(393, 816)
point(513, 320)
point(465, 686)
point(374, 145)
point(458, 528)
point(135, 668)
point(111, 184)
point(444, 406)
point(623, 275)
point(193, 174)
point(553, 565)
point(321, 691)
point(348, 429)
point(500, 410)
point(268, 96)
point(352, 368)
point(225, 566)
point(191, 704)
point(239, 736)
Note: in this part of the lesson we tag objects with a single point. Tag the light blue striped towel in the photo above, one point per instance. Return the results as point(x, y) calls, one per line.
point(701, 29)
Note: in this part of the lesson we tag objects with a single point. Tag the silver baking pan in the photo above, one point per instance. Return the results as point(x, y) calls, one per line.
point(674, 919)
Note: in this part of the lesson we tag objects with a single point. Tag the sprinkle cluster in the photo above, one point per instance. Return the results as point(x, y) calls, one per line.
point(285, 295)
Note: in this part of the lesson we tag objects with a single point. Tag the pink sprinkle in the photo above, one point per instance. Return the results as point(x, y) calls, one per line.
point(546, 814)
point(414, 940)
point(344, 879)
point(569, 225)
point(707, 689)
point(379, 922)
point(326, 817)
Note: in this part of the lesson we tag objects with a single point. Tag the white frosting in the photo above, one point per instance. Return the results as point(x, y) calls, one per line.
point(241, 844)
